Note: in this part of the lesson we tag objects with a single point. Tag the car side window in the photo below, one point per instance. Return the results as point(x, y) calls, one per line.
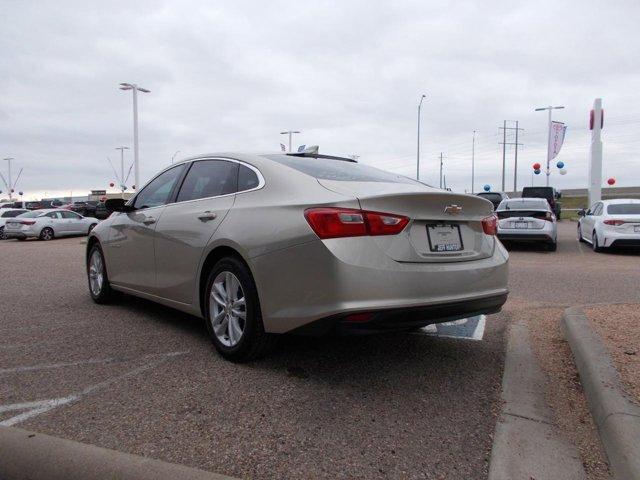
point(209, 178)
point(158, 191)
point(247, 179)
point(598, 210)
point(53, 215)
point(70, 215)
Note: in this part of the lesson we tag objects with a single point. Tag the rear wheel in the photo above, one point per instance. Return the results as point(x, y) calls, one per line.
point(99, 286)
point(233, 315)
point(2, 235)
point(46, 234)
point(552, 247)
point(594, 242)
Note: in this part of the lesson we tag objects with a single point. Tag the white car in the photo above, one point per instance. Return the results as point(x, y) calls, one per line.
point(48, 223)
point(6, 214)
point(527, 220)
point(611, 223)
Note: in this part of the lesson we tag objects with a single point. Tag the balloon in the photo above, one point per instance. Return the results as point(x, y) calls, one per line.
point(611, 181)
point(563, 171)
point(537, 171)
point(560, 164)
point(536, 166)
point(487, 187)
point(133, 186)
point(111, 184)
point(20, 193)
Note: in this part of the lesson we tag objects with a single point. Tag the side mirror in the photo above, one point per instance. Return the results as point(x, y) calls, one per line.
point(558, 194)
point(117, 205)
point(581, 213)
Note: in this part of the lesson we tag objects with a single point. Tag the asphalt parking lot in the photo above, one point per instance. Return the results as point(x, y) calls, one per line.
point(142, 378)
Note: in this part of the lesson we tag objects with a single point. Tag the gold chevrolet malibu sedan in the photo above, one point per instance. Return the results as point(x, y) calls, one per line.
point(265, 244)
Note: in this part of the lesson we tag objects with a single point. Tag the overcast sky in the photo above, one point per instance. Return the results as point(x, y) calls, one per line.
point(228, 76)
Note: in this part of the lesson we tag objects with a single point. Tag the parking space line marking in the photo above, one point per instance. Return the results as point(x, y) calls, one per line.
point(90, 361)
point(41, 406)
point(478, 333)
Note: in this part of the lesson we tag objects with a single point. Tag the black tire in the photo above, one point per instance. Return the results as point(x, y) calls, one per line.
point(2, 236)
point(46, 234)
point(21, 239)
point(254, 341)
point(552, 247)
point(105, 294)
point(594, 243)
point(580, 239)
point(91, 227)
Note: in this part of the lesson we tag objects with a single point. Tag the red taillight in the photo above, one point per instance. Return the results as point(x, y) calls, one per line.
point(490, 225)
point(615, 223)
point(348, 222)
point(27, 222)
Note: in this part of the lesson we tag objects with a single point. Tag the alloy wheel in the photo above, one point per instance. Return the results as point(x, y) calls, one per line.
point(96, 275)
point(46, 234)
point(227, 308)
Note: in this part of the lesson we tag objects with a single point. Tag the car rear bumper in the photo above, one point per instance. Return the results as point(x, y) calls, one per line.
point(20, 233)
point(526, 237)
point(614, 239)
point(333, 278)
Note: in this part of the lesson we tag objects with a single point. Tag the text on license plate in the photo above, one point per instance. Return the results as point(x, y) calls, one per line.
point(520, 225)
point(636, 228)
point(444, 238)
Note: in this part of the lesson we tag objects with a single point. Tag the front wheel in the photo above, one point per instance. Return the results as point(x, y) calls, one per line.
point(99, 286)
point(233, 315)
point(46, 234)
point(91, 227)
point(580, 239)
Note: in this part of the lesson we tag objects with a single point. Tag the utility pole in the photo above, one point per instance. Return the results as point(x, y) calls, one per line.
point(473, 161)
point(122, 186)
point(290, 133)
point(548, 172)
point(504, 144)
point(440, 169)
point(9, 185)
point(418, 150)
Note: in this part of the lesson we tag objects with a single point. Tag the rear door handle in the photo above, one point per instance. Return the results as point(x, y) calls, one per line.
point(206, 216)
point(149, 221)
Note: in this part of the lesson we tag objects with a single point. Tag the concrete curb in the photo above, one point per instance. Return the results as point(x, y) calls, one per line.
point(36, 456)
point(615, 415)
point(526, 442)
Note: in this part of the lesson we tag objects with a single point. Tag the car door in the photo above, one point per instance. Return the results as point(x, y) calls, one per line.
point(129, 249)
point(73, 223)
point(588, 221)
point(187, 225)
point(55, 221)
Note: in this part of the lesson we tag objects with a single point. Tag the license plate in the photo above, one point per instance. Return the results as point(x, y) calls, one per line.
point(636, 228)
point(521, 225)
point(444, 238)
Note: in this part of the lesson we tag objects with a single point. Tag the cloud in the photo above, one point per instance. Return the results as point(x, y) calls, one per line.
point(230, 76)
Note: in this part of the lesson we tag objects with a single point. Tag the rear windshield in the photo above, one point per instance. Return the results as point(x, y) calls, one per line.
point(523, 205)
point(12, 213)
point(32, 214)
point(538, 192)
point(341, 170)
point(624, 209)
point(492, 197)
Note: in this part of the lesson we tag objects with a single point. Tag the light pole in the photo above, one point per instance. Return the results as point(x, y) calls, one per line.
point(174, 155)
point(135, 89)
point(9, 185)
point(548, 172)
point(290, 133)
point(122, 149)
point(418, 149)
point(473, 161)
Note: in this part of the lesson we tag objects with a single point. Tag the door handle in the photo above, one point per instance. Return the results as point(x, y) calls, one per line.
point(206, 216)
point(149, 221)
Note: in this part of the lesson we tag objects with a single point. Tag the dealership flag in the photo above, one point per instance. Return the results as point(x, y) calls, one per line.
point(556, 138)
point(283, 148)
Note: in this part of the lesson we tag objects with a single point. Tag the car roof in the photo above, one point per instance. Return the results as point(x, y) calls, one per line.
point(617, 201)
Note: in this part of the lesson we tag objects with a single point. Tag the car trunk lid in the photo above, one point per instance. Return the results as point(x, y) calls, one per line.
point(443, 226)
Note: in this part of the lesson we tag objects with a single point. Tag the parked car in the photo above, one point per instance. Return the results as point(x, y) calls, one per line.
point(550, 194)
point(47, 224)
point(7, 213)
point(101, 211)
point(494, 197)
point(611, 223)
point(260, 245)
point(527, 220)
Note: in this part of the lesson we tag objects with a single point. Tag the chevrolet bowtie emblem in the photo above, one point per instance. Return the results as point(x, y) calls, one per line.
point(452, 209)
